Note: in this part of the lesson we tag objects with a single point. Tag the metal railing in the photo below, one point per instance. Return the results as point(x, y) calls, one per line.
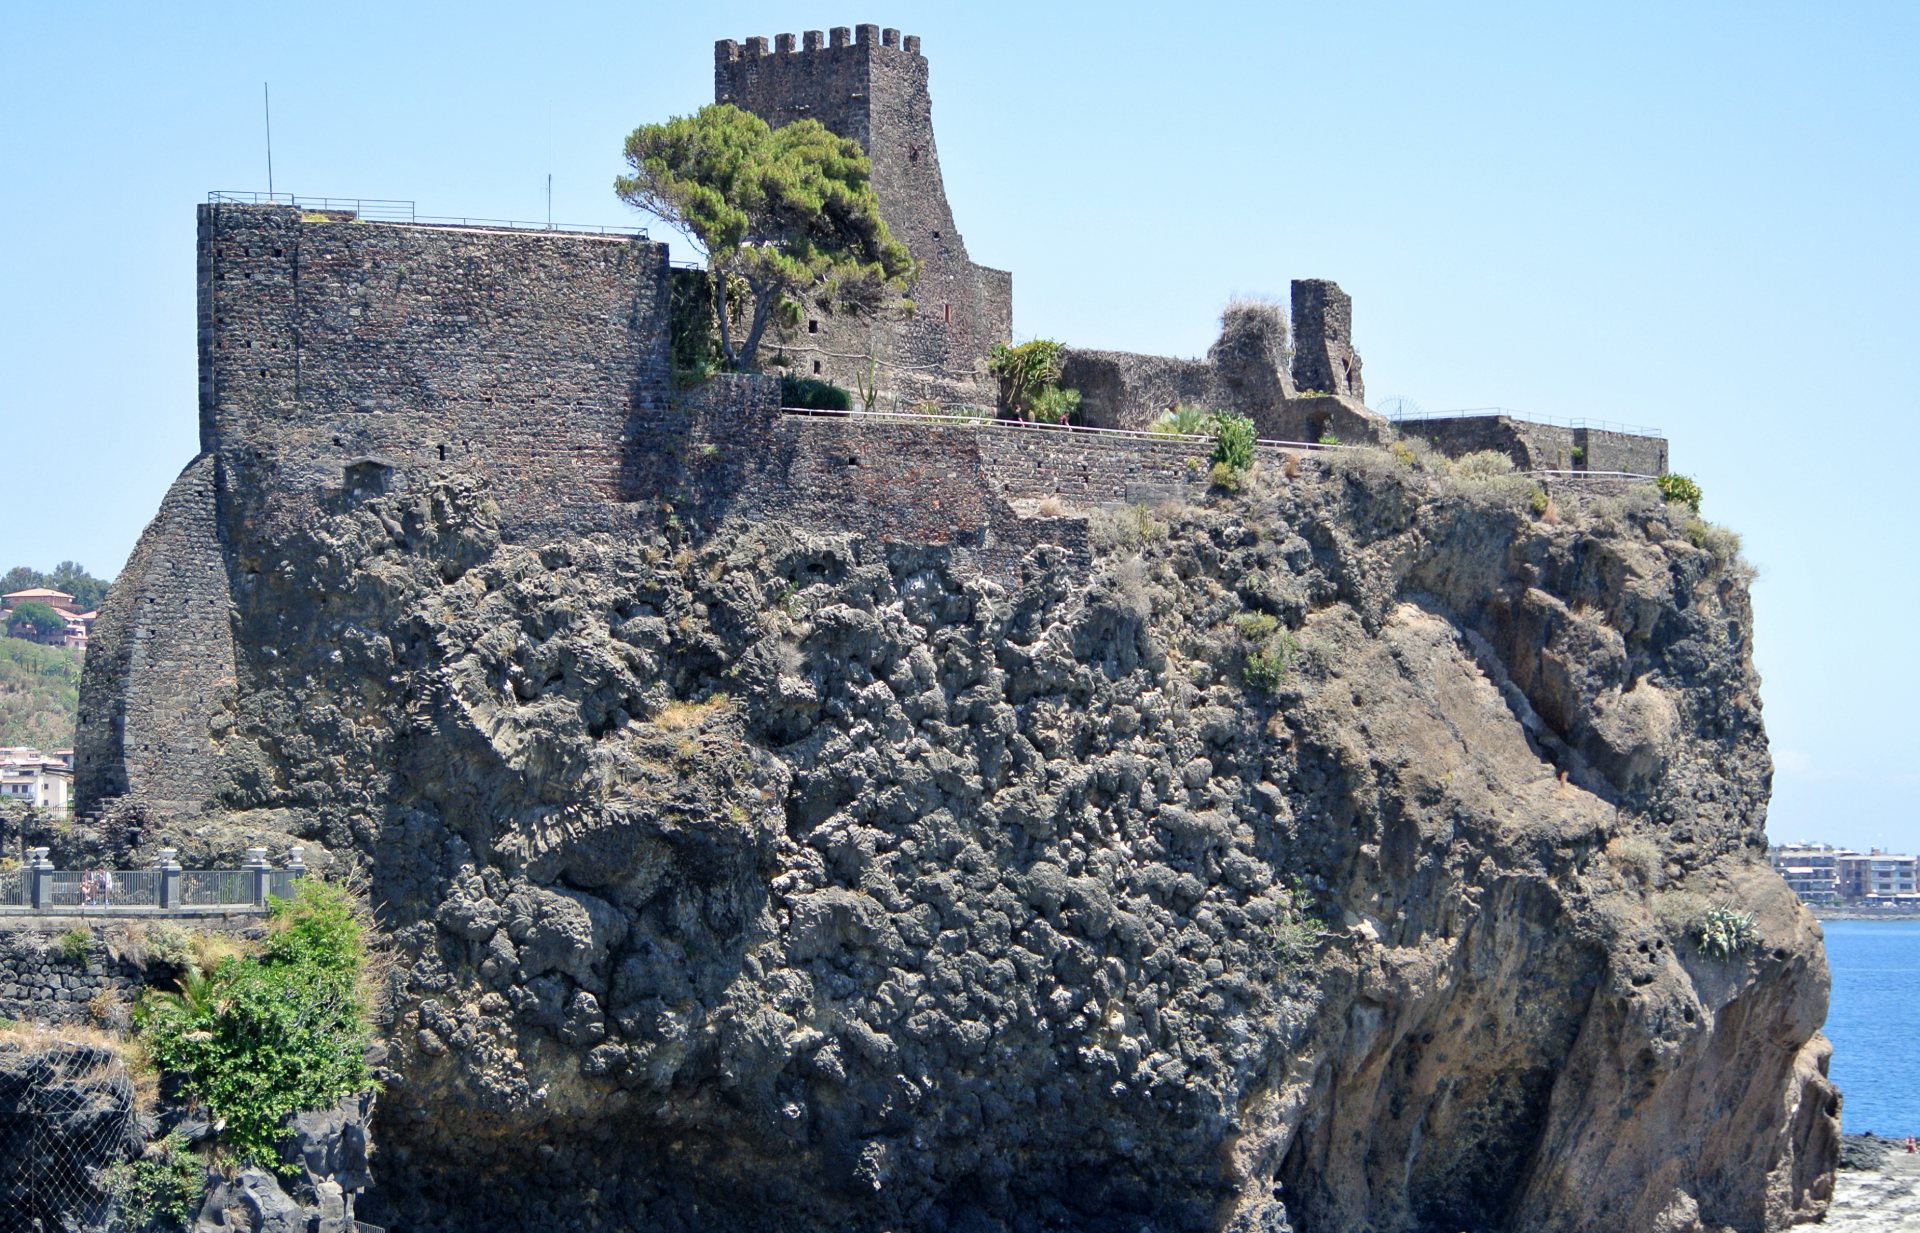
point(210, 888)
point(1078, 432)
point(395, 210)
point(1467, 413)
point(1624, 475)
point(39, 887)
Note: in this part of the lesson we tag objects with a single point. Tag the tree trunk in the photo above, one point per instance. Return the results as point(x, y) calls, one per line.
point(719, 278)
point(764, 299)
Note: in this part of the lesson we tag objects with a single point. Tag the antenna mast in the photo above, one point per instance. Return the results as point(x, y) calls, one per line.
point(266, 101)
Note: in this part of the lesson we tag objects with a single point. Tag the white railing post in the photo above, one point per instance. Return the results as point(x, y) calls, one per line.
point(39, 879)
point(169, 878)
point(256, 870)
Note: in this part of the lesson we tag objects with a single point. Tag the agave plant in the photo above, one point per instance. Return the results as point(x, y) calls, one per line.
point(1725, 931)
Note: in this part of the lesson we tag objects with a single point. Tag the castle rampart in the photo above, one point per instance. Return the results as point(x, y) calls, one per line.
point(1540, 446)
point(871, 85)
point(525, 356)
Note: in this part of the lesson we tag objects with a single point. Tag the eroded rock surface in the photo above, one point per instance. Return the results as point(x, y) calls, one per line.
point(760, 878)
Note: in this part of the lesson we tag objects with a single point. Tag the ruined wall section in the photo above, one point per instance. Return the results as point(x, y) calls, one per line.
point(532, 358)
point(160, 672)
point(993, 493)
point(1535, 446)
point(1124, 389)
point(870, 85)
point(1323, 356)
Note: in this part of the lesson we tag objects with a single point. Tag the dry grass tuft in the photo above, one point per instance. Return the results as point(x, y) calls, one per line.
point(688, 716)
point(33, 1039)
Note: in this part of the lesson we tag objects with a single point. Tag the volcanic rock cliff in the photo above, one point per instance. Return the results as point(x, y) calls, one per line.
point(1328, 856)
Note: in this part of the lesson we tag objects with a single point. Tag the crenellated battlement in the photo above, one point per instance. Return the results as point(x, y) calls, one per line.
point(728, 51)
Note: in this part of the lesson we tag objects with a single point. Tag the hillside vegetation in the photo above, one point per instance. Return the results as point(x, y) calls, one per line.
point(39, 694)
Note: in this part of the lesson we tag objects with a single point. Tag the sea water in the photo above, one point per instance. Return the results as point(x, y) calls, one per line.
point(1874, 1022)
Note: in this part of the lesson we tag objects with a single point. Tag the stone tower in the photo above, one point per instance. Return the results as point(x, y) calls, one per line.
point(1323, 354)
point(868, 84)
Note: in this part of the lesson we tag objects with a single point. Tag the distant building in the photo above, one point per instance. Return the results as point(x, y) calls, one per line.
point(1812, 870)
point(1821, 873)
point(59, 601)
point(1878, 875)
point(32, 778)
point(79, 624)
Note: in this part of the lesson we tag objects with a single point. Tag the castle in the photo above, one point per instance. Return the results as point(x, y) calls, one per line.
point(342, 358)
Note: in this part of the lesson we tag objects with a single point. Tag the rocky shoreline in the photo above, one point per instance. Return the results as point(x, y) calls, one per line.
point(1877, 1189)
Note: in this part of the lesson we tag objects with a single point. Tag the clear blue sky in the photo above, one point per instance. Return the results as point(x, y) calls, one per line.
point(1697, 216)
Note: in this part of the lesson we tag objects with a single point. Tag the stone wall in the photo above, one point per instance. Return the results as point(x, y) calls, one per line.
point(1247, 371)
point(1123, 389)
point(527, 356)
point(1323, 354)
point(39, 984)
point(993, 492)
point(868, 84)
point(160, 669)
point(1535, 446)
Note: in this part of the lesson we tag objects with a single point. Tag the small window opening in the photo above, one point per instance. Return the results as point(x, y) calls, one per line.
point(816, 368)
point(813, 325)
point(946, 311)
point(443, 453)
point(936, 235)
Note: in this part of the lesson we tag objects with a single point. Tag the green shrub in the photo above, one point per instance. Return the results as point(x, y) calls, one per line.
point(1226, 478)
point(1183, 421)
point(76, 946)
point(1726, 931)
point(1722, 544)
point(1267, 666)
point(1256, 627)
point(1129, 526)
point(1579, 454)
point(1538, 500)
point(1054, 405)
point(1295, 935)
point(1029, 376)
point(164, 1188)
point(1327, 438)
point(1233, 438)
point(168, 943)
point(262, 1038)
point(1482, 464)
point(811, 395)
point(1680, 490)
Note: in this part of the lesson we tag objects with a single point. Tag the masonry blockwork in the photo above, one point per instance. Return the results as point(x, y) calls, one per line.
point(870, 85)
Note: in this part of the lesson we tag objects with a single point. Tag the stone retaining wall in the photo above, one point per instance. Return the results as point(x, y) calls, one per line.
point(40, 984)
